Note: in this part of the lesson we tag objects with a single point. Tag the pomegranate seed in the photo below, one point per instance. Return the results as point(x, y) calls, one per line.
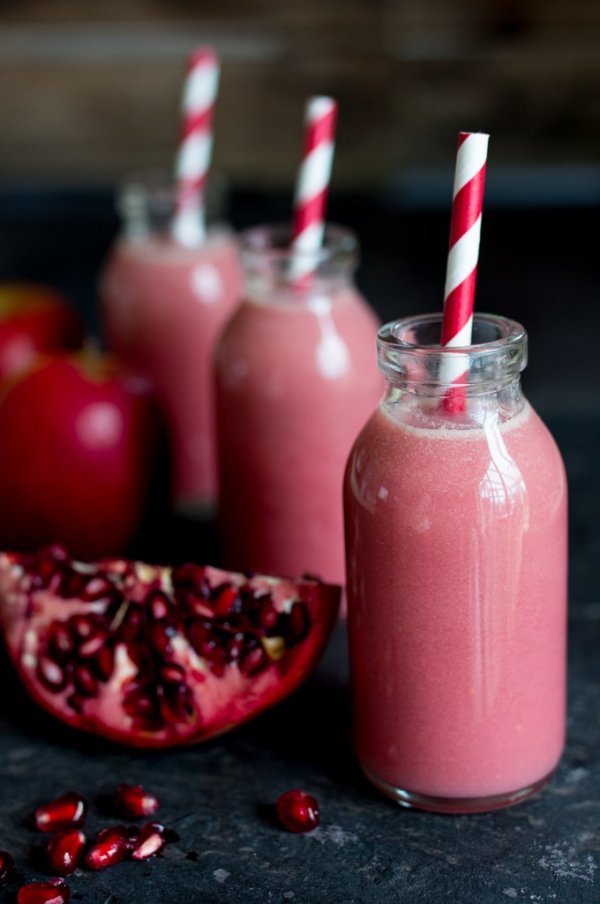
point(7, 868)
point(85, 681)
point(59, 639)
point(235, 646)
point(50, 674)
point(50, 560)
point(53, 891)
point(133, 801)
point(160, 637)
point(93, 645)
point(97, 588)
point(158, 603)
point(253, 661)
point(77, 702)
point(177, 704)
point(191, 577)
point(72, 584)
point(267, 614)
point(171, 673)
point(65, 850)
point(227, 596)
point(298, 622)
point(104, 663)
point(298, 811)
point(130, 629)
point(83, 626)
point(139, 705)
point(68, 810)
point(110, 847)
point(150, 840)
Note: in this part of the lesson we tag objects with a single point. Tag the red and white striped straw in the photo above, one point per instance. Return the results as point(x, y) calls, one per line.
point(312, 184)
point(195, 147)
point(463, 254)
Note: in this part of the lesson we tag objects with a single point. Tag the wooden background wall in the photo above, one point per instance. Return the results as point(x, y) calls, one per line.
point(90, 89)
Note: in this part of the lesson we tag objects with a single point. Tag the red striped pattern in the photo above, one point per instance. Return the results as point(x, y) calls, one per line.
point(195, 145)
point(461, 275)
point(312, 185)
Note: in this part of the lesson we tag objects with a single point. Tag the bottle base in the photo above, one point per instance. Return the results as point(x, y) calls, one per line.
point(456, 805)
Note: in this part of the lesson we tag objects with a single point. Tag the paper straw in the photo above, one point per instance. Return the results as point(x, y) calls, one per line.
point(312, 184)
point(461, 273)
point(195, 147)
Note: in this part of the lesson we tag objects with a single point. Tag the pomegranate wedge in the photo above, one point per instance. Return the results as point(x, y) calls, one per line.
point(153, 656)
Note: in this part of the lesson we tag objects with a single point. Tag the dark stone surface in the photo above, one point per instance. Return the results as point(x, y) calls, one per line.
point(219, 797)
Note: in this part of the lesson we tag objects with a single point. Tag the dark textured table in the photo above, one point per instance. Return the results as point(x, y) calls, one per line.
point(219, 800)
point(219, 797)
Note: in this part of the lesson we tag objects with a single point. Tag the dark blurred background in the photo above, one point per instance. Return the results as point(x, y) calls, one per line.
point(90, 91)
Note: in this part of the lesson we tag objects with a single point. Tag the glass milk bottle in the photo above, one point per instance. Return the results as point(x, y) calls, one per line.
point(456, 540)
point(163, 306)
point(296, 377)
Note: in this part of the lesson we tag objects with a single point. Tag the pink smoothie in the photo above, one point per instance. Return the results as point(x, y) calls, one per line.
point(296, 380)
point(163, 307)
point(457, 587)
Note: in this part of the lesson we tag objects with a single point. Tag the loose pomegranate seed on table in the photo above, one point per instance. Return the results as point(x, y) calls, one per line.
point(110, 847)
point(149, 841)
point(135, 802)
point(7, 867)
point(53, 891)
point(65, 851)
point(68, 810)
point(298, 811)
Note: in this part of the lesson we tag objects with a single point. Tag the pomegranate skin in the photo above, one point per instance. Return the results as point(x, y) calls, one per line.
point(153, 656)
point(78, 445)
point(34, 318)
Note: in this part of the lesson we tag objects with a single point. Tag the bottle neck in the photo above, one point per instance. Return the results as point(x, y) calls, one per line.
point(146, 204)
point(427, 406)
point(463, 387)
point(274, 270)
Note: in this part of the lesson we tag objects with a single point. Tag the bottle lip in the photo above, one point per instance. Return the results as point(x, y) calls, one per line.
point(146, 199)
point(273, 241)
point(409, 350)
point(393, 335)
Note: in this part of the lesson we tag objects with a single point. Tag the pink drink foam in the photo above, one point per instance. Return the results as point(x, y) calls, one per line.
point(296, 380)
point(457, 611)
point(164, 306)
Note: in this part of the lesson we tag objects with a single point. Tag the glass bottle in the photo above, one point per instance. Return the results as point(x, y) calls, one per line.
point(296, 378)
point(456, 544)
point(163, 306)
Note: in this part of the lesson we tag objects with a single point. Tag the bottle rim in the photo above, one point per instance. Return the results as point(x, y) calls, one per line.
point(409, 350)
point(273, 241)
point(145, 200)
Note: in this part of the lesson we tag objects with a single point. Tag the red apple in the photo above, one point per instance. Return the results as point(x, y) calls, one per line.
point(77, 444)
point(34, 318)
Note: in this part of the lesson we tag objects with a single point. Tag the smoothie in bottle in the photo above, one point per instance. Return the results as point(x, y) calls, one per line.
point(168, 287)
point(456, 554)
point(296, 378)
point(163, 307)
